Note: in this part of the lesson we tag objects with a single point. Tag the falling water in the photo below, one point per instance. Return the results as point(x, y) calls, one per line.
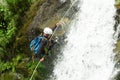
point(88, 54)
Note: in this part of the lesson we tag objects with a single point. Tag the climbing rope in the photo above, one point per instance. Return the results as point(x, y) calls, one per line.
point(51, 38)
point(62, 19)
point(34, 70)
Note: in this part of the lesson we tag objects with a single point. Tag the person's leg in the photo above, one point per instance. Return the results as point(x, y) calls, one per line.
point(33, 55)
point(40, 53)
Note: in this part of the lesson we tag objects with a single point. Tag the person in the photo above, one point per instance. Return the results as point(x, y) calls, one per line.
point(44, 45)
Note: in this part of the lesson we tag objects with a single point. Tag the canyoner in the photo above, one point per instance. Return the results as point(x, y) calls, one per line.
point(42, 44)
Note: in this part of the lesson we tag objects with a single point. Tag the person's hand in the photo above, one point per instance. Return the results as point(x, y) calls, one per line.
point(42, 59)
point(58, 24)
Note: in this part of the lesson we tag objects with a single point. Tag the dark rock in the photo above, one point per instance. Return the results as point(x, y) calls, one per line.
point(117, 76)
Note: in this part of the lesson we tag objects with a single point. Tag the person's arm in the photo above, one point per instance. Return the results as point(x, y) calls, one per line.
point(53, 29)
point(56, 25)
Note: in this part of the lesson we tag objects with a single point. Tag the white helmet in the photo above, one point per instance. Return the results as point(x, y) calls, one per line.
point(48, 30)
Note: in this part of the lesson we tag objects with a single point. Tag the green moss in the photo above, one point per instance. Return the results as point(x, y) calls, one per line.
point(117, 4)
point(117, 1)
point(117, 46)
point(31, 14)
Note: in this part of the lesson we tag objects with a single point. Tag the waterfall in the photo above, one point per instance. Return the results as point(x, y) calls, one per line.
point(88, 54)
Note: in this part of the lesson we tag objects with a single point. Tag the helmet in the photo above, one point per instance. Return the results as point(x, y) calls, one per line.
point(48, 30)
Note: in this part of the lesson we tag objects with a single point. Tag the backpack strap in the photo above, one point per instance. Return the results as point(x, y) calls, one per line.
point(36, 43)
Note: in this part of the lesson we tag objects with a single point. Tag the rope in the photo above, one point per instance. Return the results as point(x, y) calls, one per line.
point(62, 19)
point(51, 38)
point(68, 10)
point(34, 70)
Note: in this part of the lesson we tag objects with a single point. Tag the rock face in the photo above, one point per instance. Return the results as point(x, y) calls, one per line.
point(117, 49)
point(48, 14)
point(117, 22)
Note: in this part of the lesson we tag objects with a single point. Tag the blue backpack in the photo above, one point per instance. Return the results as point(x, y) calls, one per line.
point(35, 44)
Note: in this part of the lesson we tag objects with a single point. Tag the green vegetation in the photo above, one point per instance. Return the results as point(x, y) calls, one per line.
point(117, 4)
point(14, 63)
point(117, 1)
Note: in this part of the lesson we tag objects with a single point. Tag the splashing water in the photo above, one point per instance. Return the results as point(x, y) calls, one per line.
point(63, 1)
point(88, 54)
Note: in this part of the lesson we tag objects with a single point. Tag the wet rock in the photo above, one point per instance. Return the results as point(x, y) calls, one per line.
point(117, 49)
point(117, 76)
point(50, 9)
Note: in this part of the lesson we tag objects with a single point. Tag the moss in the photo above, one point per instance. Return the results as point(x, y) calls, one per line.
point(31, 14)
point(21, 42)
point(117, 49)
point(117, 4)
